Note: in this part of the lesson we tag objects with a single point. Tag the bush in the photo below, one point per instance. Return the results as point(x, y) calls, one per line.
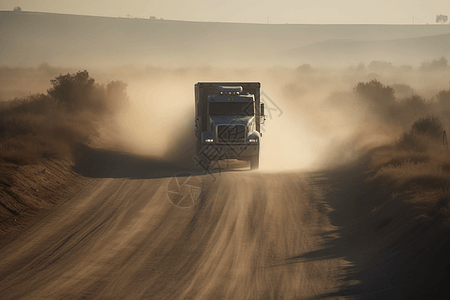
point(44, 126)
point(422, 133)
point(379, 66)
point(78, 92)
point(378, 98)
point(443, 99)
point(375, 92)
point(403, 90)
point(430, 127)
point(435, 64)
point(410, 108)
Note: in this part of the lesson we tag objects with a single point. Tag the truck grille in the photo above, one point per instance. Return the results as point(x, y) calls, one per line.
point(231, 134)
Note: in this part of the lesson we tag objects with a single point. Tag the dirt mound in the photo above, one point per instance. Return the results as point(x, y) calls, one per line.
point(27, 191)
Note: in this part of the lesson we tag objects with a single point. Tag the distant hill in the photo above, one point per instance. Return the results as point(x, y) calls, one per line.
point(30, 38)
point(400, 51)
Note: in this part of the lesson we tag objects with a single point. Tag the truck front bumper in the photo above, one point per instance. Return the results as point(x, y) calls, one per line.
point(227, 151)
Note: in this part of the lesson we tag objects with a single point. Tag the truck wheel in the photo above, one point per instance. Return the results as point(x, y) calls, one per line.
point(254, 162)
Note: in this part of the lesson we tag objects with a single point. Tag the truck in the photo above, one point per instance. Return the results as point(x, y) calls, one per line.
point(228, 118)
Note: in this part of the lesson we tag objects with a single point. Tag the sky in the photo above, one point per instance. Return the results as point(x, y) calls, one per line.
point(251, 11)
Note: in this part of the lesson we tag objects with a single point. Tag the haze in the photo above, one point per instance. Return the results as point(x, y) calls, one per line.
point(102, 193)
point(251, 11)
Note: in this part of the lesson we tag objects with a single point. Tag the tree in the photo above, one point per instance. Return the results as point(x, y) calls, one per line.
point(441, 19)
point(79, 92)
point(75, 91)
point(378, 98)
point(375, 92)
point(17, 8)
point(378, 66)
point(435, 64)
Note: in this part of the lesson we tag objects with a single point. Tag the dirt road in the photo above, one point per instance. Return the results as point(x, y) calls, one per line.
point(121, 238)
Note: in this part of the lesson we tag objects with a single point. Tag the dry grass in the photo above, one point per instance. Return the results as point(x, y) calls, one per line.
point(37, 137)
point(420, 175)
point(49, 125)
point(410, 175)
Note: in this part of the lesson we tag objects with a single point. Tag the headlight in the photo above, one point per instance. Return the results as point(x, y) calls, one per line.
point(252, 140)
point(209, 141)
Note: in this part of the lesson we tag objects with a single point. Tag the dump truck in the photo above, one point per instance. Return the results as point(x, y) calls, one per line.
point(228, 118)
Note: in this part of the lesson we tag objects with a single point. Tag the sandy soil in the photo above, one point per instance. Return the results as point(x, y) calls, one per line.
point(28, 191)
point(251, 235)
point(122, 238)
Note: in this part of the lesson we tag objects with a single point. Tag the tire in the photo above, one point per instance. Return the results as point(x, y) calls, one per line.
point(254, 162)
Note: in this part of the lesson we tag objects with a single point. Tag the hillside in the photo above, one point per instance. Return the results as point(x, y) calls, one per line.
point(401, 51)
point(30, 38)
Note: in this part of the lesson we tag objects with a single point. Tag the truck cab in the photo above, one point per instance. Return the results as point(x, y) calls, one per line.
point(228, 119)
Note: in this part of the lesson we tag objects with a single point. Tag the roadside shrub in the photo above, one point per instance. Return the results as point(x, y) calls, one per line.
point(31, 104)
point(410, 108)
point(444, 96)
point(403, 90)
point(423, 133)
point(49, 125)
point(375, 92)
point(378, 98)
point(430, 127)
point(395, 158)
point(78, 92)
point(443, 100)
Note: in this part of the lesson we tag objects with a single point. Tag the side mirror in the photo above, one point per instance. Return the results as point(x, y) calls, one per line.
point(262, 115)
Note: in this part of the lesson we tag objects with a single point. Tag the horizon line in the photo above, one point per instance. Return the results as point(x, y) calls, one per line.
point(153, 18)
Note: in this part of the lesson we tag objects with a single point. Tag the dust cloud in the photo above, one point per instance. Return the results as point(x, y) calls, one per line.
point(315, 117)
point(160, 120)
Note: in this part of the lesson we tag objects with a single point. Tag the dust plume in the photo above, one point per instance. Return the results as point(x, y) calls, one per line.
point(316, 117)
point(298, 129)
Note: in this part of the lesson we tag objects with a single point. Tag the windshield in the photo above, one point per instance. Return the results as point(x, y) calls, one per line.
point(231, 108)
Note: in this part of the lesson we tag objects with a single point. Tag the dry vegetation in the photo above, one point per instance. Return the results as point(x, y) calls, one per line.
point(401, 124)
point(332, 114)
point(49, 125)
point(416, 165)
point(38, 135)
point(417, 168)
